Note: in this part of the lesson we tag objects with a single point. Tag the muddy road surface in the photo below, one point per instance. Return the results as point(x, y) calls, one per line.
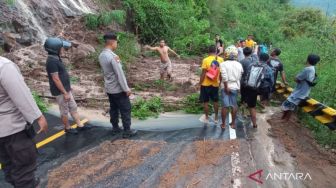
point(176, 150)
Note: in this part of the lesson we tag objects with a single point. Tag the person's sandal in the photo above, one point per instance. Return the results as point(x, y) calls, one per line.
point(71, 131)
point(255, 126)
point(223, 126)
point(84, 128)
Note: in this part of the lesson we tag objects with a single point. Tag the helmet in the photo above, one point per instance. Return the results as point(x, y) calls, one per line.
point(231, 52)
point(53, 45)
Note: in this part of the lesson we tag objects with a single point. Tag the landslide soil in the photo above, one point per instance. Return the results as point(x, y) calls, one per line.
point(197, 162)
point(101, 162)
point(309, 156)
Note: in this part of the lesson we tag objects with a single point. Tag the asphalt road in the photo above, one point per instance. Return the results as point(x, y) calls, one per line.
point(257, 150)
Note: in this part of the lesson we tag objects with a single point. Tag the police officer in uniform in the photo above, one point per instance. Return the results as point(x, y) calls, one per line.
point(18, 111)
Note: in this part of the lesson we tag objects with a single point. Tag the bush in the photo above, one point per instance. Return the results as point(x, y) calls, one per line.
point(93, 21)
point(183, 24)
point(192, 104)
point(43, 106)
point(321, 133)
point(143, 109)
point(127, 47)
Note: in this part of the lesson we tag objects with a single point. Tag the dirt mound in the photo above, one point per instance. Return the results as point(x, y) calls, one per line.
point(101, 162)
point(310, 157)
point(144, 78)
point(197, 162)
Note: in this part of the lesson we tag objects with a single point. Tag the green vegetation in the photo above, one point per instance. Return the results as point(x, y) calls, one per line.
point(74, 80)
point(128, 47)
point(94, 21)
point(192, 104)
point(321, 133)
point(43, 106)
point(10, 2)
point(183, 24)
point(157, 84)
point(143, 109)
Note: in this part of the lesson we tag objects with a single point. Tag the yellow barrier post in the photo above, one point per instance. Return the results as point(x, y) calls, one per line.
point(324, 114)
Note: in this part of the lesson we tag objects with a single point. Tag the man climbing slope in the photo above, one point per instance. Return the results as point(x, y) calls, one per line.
point(166, 64)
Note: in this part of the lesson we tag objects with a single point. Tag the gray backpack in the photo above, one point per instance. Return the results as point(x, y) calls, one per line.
point(255, 76)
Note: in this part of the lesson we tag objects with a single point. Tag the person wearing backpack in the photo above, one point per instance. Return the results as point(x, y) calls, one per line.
point(246, 62)
point(267, 82)
point(231, 72)
point(258, 75)
point(209, 82)
point(277, 66)
point(305, 80)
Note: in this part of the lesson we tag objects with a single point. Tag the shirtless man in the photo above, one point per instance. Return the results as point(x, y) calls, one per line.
point(166, 65)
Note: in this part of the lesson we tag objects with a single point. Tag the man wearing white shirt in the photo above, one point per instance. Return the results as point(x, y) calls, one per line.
point(231, 71)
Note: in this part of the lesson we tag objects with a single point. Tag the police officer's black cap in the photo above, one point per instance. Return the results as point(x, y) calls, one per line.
point(110, 36)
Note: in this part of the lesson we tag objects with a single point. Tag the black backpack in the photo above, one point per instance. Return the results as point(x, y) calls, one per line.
point(314, 82)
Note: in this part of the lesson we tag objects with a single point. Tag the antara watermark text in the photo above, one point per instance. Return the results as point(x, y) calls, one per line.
point(288, 176)
point(258, 176)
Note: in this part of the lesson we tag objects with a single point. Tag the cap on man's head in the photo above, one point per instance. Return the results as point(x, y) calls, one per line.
point(110, 36)
point(231, 52)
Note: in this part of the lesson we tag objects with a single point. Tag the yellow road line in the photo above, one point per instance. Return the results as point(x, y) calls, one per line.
point(55, 136)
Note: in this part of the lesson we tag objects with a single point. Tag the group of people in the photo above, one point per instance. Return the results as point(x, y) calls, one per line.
point(244, 68)
point(248, 68)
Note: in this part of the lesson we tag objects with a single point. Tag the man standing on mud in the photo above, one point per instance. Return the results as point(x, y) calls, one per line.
point(18, 111)
point(116, 86)
point(166, 64)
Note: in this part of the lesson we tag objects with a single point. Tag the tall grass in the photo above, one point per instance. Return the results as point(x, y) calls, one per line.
point(93, 21)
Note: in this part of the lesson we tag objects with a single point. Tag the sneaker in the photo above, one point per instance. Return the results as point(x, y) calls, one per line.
point(84, 128)
point(71, 131)
point(129, 133)
point(116, 131)
point(204, 120)
point(216, 121)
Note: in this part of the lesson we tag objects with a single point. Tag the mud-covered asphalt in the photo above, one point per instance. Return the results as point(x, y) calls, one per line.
point(175, 150)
